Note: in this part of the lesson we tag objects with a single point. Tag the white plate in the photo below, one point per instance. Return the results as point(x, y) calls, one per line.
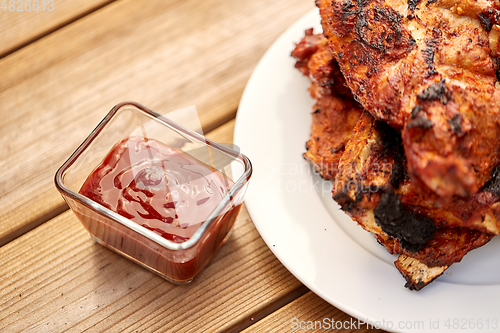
point(295, 215)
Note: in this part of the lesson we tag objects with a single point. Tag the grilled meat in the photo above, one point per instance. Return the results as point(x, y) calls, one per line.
point(428, 69)
point(374, 163)
point(372, 183)
point(335, 112)
point(372, 186)
point(333, 120)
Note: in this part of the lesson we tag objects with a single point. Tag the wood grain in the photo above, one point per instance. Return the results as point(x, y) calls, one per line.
point(55, 278)
point(21, 24)
point(312, 314)
point(163, 54)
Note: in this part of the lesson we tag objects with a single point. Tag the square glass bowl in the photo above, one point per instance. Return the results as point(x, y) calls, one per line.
point(178, 261)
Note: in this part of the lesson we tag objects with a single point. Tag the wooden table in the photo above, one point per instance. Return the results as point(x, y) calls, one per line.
point(61, 70)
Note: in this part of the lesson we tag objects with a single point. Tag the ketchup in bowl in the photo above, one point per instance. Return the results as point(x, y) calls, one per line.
point(161, 188)
point(166, 191)
point(153, 204)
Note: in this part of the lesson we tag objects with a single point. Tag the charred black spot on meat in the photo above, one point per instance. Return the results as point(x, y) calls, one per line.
point(416, 109)
point(363, 3)
point(347, 8)
point(316, 111)
point(348, 13)
point(380, 28)
point(362, 24)
point(429, 2)
point(496, 64)
point(486, 20)
point(456, 124)
point(412, 4)
point(493, 185)
point(395, 19)
point(436, 91)
point(340, 147)
point(420, 122)
point(428, 52)
point(415, 285)
point(392, 145)
point(412, 42)
point(398, 172)
point(389, 137)
point(345, 201)
point(395, 220)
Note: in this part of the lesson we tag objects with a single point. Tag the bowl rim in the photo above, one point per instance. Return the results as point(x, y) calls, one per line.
point(193, 240)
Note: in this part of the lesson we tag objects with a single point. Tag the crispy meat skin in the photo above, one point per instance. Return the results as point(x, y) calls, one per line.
point(372, 166)
point(335, 112)
point(428, 68)
point(369, 167)
point(333, 119)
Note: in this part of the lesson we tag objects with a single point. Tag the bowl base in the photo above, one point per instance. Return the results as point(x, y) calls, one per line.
point(178, 282)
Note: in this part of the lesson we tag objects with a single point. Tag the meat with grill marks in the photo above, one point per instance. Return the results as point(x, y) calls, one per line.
point(430, 70)
point(373, 188)
point(372, 183)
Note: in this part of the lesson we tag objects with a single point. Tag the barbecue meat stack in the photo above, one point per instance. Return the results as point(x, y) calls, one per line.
point(406, 124)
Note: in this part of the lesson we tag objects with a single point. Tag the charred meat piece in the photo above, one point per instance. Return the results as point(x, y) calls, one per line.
point(335, 112)
point(449, 245)
point(332, 121)
point(373, 188)
point(370, 166)
point(430, 70)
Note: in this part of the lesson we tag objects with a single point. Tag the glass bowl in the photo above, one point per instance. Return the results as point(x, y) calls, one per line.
point(202, 230)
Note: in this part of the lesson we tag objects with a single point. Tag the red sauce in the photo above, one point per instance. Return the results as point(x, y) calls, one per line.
point(160, 188)
point(164, 190)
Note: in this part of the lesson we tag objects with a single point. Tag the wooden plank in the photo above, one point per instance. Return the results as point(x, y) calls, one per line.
point(163, 54)
point(24, 21)
point(55, 278)
point(310, 313)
